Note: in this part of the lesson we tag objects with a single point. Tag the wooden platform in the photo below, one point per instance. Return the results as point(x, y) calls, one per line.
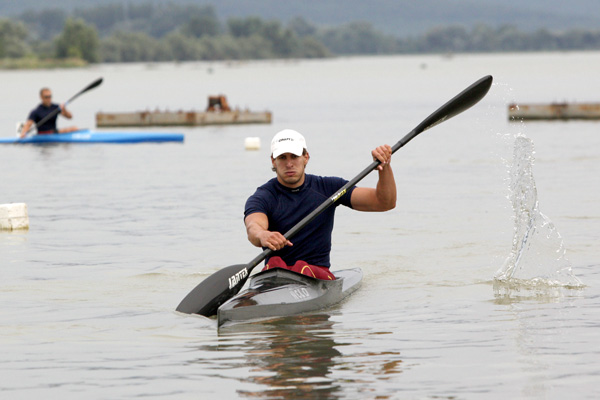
point(181, 118)
point(554, 111)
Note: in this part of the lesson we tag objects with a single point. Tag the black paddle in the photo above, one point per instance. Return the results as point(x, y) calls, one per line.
point(89, 87)
point(206, 298)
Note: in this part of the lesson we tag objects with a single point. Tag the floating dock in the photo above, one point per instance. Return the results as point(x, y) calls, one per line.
point(217, 112)
point(554, 111)
point(180, 118)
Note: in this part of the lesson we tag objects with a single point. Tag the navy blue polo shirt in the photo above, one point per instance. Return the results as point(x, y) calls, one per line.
point(40, 113)
point(285, 207)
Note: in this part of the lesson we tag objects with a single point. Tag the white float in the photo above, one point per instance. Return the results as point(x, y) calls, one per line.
point(13, 216)
point(252, 143)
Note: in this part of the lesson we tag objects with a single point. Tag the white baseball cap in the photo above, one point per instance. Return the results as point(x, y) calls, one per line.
point(287, 141)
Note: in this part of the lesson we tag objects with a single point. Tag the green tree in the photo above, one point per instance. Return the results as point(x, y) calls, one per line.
point(13, 39)
point(202, 25)
point(451, 39)
point(44, 24)
point(104, 17)
point(183, 48)
point(357, 38)
point(244, 27)
point(254, 47)
point(285, 42)
point(131, 47)
point(78, 40)
point(312, 48)
point(301, 27)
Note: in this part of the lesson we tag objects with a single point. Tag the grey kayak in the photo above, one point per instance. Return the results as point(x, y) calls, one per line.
point(279, 292)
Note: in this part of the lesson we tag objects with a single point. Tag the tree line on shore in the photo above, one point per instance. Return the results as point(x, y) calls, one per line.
point(149, 32)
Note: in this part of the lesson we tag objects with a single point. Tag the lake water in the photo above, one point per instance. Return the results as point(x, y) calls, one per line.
point(119, 234)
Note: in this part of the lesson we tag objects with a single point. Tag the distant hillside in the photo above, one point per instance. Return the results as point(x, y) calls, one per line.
point(397, 17)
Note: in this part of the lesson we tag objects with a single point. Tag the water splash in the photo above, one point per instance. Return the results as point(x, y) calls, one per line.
point(538, 255)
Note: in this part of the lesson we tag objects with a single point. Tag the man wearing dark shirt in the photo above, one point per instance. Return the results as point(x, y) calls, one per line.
point(45, 108)
point(283, 201)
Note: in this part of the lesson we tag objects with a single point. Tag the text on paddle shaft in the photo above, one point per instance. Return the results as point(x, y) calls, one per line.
point(336, 196)
point(235, 279)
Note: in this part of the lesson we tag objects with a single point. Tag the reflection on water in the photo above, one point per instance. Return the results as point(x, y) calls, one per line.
point(537, 258)
point(291, 356)
point(300, 357)
point(535, 290)
point(294, 359)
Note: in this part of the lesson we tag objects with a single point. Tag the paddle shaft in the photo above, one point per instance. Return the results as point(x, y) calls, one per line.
point(208, 295)
point(91, 86)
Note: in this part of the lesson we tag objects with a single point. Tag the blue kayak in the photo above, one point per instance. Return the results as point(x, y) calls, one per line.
point(89, 136)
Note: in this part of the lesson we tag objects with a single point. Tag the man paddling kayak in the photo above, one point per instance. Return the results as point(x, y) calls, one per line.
point(206, 298)
point(47, 113)
point(283, 201)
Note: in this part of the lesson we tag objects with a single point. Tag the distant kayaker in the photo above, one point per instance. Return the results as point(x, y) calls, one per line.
point(283, 201)
point(42, 111)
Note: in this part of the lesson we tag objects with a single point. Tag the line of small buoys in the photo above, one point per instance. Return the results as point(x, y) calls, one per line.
point(13, 216)
point(252, 143)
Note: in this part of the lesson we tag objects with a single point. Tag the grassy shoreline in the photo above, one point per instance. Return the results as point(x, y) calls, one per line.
point(36, 63)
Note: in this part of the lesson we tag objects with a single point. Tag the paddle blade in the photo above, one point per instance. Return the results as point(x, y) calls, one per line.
point(92, 85)
point(461, 102)
point(215, 290)
point(89, 87)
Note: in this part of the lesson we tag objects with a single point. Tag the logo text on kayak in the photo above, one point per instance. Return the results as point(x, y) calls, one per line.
point(237, 277)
